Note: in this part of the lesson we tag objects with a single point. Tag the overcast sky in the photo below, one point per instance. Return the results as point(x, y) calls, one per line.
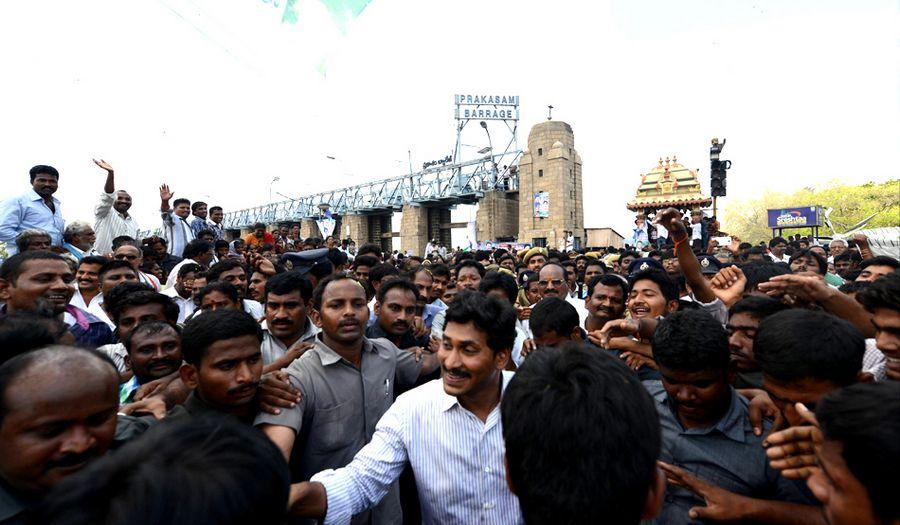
point(217, 97)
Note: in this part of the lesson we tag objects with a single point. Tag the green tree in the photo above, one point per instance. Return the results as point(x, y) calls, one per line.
point(851, 204)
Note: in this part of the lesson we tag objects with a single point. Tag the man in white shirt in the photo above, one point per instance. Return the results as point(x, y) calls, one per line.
point(196, 252)
point(111, 217)
point(134, 256)
point(777, 247)
point(87, 295)
point(78, 239)
point(448, 429)
point(176, 229)
point(182, 291)
point(552, 283)
point(234, 272)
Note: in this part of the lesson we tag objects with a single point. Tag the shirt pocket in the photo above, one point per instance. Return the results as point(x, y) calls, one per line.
point(332, 428)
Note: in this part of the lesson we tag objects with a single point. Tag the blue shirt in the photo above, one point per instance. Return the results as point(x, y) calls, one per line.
point(29, 212)
point(726, 454)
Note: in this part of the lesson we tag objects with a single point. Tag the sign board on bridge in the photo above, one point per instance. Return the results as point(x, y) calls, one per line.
point(487, 107)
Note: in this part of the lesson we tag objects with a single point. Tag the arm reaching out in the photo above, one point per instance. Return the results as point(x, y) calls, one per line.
point(165, 194)
point(670, 218)
point(110, 185)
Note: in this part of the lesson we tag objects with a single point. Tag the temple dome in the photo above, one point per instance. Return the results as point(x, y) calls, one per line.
point(669, 184)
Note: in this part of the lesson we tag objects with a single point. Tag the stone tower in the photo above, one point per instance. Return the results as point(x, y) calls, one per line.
point(551, 202)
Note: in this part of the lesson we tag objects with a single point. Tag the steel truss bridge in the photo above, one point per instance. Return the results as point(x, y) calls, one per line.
point(449, 184)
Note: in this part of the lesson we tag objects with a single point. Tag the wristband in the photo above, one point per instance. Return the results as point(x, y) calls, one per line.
point(679, 242)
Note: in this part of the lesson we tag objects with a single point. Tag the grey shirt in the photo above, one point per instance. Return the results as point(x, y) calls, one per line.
point(339, 408)
point(726, 454)
point(272, 348)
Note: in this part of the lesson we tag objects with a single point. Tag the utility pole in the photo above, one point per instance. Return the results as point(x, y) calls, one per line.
point(717, 172)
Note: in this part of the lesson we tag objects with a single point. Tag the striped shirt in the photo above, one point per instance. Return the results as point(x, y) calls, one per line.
point(109, 223)
point(457, 460)
point(177, 232)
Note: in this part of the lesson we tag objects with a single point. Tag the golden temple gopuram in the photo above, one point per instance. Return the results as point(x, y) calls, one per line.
point(669, 184)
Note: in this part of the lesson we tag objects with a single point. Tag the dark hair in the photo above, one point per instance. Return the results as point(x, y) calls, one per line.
point(806, 252)
point(11, 268)
point(195, 248)
point(22, 332)
point(595, 262)
point(761, 271)
point(667, 287)
point(691, 340)
point(188, 268)
point(215, 271)
point(850, 287)
point(500, 281)
point(221, 243)
point(93, 259)
point(179, 202)
point(848, 255)
point(882, 293)
point(469, 263)
point(865, 419)
point(122, 240)
point(496, 318)
point(149, 328)
point(797, 344)
point(122, 291)
point(553, 314)
point(320, 288)
point(204, 232)
point(396, 283)
point(287, 282)
point(608, 280)
point(42, 169)
point(201, 331)
point(880, 260)
point(223, 287)
point(757, 250)
point(370, 248)
point(197, 470)
point(215, 208)
point(378, 272)
point(757, 306)
point(16, 366)
point(776, 241)
point(115, 264)
point(569, 399)
point(258, 225)
point(440, 270)
point(337, 257)
point(365, 260)
point(128, 298)
point(196, 205)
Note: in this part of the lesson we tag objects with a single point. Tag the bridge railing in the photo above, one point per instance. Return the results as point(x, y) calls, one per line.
point(453, 183)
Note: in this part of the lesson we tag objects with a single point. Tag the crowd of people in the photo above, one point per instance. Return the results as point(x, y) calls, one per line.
point(190, 377)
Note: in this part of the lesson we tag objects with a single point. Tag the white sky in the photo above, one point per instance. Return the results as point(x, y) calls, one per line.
point(216, 97)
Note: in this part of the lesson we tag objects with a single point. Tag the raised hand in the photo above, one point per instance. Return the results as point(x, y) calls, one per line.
point(103, 164)
point(729, 284)
point(165, 193)
point(670, 219)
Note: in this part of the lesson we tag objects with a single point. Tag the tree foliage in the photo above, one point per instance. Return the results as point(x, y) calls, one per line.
point(747, 218)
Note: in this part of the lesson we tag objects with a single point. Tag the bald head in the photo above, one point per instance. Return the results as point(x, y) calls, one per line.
point(58, 410)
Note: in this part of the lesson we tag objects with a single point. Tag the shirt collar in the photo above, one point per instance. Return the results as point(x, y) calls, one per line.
point(731, 425)
point(33, 195)
point(10, 505)
point(330, 357)
point(448, 401)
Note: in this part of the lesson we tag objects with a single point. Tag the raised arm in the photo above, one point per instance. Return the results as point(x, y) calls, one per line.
point(165, 195)
point(670, 218)
point(110, 185)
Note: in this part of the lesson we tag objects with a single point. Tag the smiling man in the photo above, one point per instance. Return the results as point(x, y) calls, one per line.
point(57, 414)
point(87, 277)
point(449, 430)
point(42, 281)
point(652, 294)
point(349, 371)
point(153, 352)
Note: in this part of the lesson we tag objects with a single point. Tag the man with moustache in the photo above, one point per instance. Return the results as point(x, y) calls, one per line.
point(87, 295)
point(133, 255)
point(552, 283)
point(111, 217)
point(223, 365)
point(37, 209)
point(153, 352)
point(346, 379)
point(289, 331)
point(395, 312)
point(58, 410)
point(42, 281)
point(449, 430)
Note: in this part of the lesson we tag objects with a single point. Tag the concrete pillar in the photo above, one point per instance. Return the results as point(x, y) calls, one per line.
point(355, 227)
point(497, 216)
point(414, 229)
point(309, 228)
point(439, 224)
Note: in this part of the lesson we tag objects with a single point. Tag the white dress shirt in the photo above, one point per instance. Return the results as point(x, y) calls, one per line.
point(177, 233)
point(185, 306)
point(173, 275)
point(109, 224)
point(579, 307)
point(457, 460)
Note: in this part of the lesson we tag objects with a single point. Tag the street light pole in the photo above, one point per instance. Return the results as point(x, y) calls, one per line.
point(274, 180)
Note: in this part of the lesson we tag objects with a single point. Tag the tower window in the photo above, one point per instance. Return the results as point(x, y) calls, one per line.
point(540, 173)
point(540, 151)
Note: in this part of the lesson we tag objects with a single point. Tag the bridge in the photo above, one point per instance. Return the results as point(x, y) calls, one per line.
point(549, 170)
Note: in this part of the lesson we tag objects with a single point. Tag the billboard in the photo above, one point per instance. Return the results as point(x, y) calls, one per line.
point(542, 204)
point(804, 217)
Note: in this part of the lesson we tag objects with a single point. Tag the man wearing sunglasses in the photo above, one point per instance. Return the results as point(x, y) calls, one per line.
point(552, 283)
point(135, 257)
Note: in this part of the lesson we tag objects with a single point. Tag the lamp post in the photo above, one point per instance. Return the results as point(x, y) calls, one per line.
point(274, 180)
